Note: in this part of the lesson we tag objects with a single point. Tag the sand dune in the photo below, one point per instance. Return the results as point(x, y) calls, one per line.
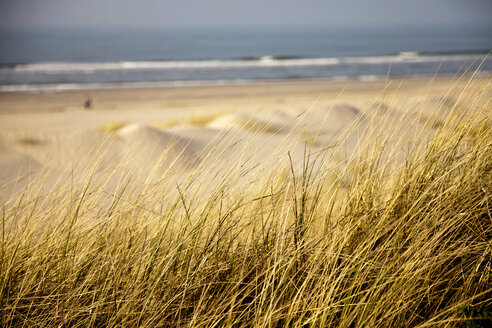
point(145, 147)
point(251, 133)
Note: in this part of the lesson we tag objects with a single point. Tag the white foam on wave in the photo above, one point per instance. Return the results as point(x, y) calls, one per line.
point(370, 77)
point(57, 68)
point(265, 61)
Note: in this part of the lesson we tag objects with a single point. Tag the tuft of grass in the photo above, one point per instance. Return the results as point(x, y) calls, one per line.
point(112, 127)
point(366, 244)
point(167, 124)
point(28, 140)
point(199, 119)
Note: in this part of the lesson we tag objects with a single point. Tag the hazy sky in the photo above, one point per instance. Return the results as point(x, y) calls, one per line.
point(153, 13)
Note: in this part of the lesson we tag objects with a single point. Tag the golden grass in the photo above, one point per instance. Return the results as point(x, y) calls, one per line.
point(27, 140)
point(202, 118)
point(112, 127)
point(367, 244)
point(199, 118)
point(167, 124)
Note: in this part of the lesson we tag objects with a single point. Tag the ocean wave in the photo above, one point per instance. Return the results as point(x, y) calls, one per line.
point(64, 67)
point(60, 87)
point(264, 61)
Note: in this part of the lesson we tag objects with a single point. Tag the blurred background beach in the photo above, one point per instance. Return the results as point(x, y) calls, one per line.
point(64, 45)
point(83, 58)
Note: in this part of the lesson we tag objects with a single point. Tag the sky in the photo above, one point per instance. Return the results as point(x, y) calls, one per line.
point(166, 13)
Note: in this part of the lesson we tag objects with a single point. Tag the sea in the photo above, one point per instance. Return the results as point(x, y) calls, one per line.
point(102, 58)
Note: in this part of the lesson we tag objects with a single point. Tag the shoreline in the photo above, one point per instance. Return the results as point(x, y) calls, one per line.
point(89, 87)
point(102, 86)
point(118, 99)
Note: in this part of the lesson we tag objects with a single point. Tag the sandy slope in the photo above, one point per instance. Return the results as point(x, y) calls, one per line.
point(206, 131)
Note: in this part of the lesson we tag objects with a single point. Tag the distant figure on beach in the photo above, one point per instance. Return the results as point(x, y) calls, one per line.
point(88, 102)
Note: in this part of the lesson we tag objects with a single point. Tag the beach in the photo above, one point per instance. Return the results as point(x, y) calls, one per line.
point(175, 128)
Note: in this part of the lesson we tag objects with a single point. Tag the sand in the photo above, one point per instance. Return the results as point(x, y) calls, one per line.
point(176, 132)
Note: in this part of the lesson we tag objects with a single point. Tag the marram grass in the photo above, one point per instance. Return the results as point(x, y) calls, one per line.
point(370, 244)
